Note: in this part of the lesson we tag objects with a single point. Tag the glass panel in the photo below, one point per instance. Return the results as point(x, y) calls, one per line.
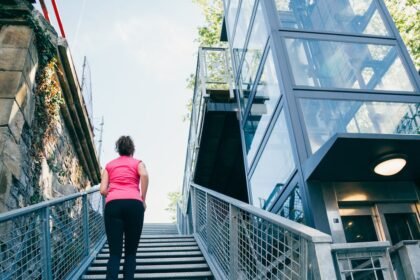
point(403, 226)
point(275, 165)
point(254, 52)
point(231, 16)
point(359, 228)
point(324, 118)
point(242, 28)
point(263, 105)
point(292, 208)
point(330, 64)
point(344, 16)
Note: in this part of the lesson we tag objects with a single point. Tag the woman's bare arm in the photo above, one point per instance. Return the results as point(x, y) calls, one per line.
point(144, 180)
point(104, 183)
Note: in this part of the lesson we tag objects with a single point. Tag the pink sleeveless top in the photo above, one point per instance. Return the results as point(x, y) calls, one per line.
point(123, 179)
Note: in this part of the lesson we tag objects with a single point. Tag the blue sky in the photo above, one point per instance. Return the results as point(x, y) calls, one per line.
point(140, 54)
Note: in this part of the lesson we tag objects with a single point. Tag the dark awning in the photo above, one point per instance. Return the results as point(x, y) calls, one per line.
point(351, 157)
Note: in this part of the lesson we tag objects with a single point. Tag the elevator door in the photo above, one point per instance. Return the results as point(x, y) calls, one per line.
point(400, 221)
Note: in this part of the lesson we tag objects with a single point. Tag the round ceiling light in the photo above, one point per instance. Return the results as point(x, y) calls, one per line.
point(390, 165)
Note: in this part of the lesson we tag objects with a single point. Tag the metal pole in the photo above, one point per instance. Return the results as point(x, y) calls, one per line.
point(57, 15)
point(46, 244)
point(44, 10)
point(85, 224)
point(100, 139)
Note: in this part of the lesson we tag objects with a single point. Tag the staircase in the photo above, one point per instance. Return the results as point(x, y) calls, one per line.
point(162, 254)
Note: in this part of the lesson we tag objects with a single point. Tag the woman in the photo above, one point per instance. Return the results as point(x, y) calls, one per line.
point(124, 206)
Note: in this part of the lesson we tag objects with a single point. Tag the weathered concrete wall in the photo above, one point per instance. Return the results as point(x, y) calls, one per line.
point(59, 170)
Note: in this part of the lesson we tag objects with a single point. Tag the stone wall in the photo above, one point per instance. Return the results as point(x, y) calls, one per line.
point(28, 176)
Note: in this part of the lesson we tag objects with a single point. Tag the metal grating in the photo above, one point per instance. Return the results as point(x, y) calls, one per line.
point(246, 246)
point(52, 239)
point(20, 247)
point(67, 244)
point(363, 265)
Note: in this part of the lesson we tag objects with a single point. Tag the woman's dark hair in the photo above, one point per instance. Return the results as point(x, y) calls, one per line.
point(125, 146)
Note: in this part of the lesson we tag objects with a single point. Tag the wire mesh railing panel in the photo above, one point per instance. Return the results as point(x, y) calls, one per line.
point(20, 247)
point(67, 243)
point(219, 231)
point(244, 242)
point(95, 214)
point(200, 214)
point(216, 72)
point(52, 239)
point(363, 265)
point(268, 251)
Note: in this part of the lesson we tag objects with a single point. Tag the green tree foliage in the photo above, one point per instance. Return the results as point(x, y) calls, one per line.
point(406, 14)
point(173, 197)
point(209, 33)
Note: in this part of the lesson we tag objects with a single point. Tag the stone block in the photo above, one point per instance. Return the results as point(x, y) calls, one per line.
point(26, 102)
point(13, 58)
point(6, 106)
point(12, 116)
point(5, 184)
point(29, 70)
point(12, 157)
point(16, 122)
point(10, 81)
point(4, 136)
point(16, 36)
point(33, 52)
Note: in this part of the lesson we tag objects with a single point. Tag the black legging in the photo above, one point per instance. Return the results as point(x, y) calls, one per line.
point(123, 216)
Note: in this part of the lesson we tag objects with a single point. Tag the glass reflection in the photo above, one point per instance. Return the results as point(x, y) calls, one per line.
point(324, 118)
point(242, 29)
point(351, 16)
point(254, 52)
point(263, 105)
point(274, 167)
point(231, 16)
point(359, 229)
point(403, 226)
point(330, 64)
point(292, 208)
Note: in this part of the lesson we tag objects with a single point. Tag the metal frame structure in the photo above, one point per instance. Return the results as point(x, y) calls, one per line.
point(240, 241)
point(291, 92)
point(215, 217)
point(55, 239)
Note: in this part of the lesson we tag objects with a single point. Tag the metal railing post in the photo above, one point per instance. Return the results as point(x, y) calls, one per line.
point(46, 244)
point(85, 224)
point(208, 219)
point(233, 241)
point(193, 209)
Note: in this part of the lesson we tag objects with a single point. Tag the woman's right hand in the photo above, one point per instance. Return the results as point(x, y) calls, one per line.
point(144, 205)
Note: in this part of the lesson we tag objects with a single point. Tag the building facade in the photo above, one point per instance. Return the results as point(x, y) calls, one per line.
point(325, 90)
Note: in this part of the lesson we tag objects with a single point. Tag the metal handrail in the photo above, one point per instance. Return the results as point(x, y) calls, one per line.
point(307, 232)
point(240, 241)
point(55, 239)
point(28, 209)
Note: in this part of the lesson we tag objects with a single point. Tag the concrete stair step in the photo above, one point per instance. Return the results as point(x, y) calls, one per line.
point(162, 253)
point(168, 275)
point(162, 249)
point(158, 267)
point(174, 239)
point(158, 236)
point(163, 244)
point(158, 254)
point(156, 260)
